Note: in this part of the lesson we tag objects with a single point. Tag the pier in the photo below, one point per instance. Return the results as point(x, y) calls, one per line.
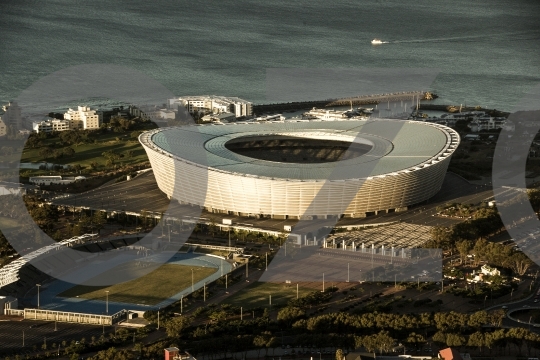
point(374, 99)
point(414, 96)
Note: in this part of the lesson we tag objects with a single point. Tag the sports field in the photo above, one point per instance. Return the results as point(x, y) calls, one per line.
point(150, 289)
point(258, 294)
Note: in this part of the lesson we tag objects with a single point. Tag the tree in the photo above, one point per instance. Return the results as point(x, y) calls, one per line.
point(99, 220)
point(476, 339)
point(289, 314)
point(259, 342)
point(520, 263)
point(440, 338)
point(415, 339)
point(339, 354)
point(496, 317)
point(212, 226)
point(455, 340)
point(441, 237)
point(464, 247)
point(218, 316)
point(177, 325)
point(68, 151)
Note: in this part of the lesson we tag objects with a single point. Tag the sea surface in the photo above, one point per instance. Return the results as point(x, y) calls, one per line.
point(486, 51)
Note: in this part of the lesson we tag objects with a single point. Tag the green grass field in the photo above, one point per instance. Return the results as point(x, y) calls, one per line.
point(257, 294)
point(150, 289)
point(87, 153)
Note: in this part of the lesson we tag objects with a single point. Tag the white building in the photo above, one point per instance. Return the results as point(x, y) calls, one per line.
point(487, 123)
point(327, 115)
point(48, 180)
point(51, 125)
point(224, 117)
point(214, 104)
point(277, 117)
point(83, 118)
point(488, 270)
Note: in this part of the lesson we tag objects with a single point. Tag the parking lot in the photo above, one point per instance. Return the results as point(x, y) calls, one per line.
point(36, 333)
point(402, 235)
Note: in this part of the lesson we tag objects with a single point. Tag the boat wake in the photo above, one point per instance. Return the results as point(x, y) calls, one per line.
point(462, 38)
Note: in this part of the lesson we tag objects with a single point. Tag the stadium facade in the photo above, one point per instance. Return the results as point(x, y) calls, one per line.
point(302, 169)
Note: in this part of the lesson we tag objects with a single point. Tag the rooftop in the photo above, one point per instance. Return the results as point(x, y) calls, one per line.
point(397, 146)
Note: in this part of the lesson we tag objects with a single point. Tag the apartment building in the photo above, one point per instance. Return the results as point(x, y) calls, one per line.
point(83, 118)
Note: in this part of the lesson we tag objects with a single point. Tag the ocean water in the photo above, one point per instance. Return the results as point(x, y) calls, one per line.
point(486, 51)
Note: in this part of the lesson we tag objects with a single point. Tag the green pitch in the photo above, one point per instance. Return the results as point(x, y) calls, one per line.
point(258, 294)
point(150, 289)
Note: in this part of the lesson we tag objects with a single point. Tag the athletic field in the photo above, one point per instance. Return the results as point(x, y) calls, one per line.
point(150, 289)
point(258, 294)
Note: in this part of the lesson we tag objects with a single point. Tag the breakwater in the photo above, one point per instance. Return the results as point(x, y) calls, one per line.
point(459, 108)
point(413, 96)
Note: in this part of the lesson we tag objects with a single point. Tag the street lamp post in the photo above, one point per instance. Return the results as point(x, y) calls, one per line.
point(192, 284)
point(107, 302)
point(485, 298)
point(38, 286)
point(348, 272)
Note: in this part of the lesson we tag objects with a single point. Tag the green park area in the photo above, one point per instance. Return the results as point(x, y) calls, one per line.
point(150, 289)
point(92, 152)
point(258, 295)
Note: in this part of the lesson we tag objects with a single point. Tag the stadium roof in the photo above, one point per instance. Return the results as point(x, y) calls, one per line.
point(397, 146)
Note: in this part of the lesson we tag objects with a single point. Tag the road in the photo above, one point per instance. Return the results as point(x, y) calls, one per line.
point(142, 193)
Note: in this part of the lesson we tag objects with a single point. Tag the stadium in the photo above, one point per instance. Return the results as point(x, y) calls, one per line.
point(302, 169)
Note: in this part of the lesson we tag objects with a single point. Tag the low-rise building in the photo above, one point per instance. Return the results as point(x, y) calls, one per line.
point(224, 117)
point(59, 180)
point(452, 354)
point(276, 117)
point(51, 125)
point(487, 123)
point(213, 104)
point(173, 353)
point(488, 270)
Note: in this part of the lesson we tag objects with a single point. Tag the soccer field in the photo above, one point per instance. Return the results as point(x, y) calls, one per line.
point(258, 294)
point(150, 289)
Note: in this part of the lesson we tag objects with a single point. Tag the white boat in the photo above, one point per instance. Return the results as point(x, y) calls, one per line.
point(376, 42)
